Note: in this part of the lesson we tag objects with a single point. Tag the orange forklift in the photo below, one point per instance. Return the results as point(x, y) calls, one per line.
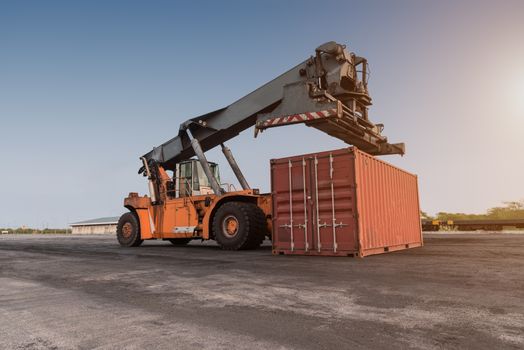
point(187, 201)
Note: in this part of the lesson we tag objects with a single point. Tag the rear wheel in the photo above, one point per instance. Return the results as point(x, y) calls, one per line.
point(180, 241)
point(239, 225)
point(128, 231)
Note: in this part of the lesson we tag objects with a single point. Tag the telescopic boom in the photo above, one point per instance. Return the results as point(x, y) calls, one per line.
point(328, 91)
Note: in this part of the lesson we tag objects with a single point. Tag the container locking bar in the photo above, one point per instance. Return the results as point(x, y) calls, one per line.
point(319, 245)
point(306, 244)
point(333, 203)
point(290, 166)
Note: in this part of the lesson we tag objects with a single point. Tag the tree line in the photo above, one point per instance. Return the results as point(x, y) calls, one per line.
point(509, 211)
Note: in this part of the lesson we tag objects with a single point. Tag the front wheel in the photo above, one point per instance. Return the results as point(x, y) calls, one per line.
point(128, 231)
point(239, 225)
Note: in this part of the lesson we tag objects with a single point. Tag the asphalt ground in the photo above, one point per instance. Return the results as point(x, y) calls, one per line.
point(87, 292)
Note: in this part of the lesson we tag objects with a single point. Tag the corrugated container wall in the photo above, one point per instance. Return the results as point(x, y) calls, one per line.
point(343, 202)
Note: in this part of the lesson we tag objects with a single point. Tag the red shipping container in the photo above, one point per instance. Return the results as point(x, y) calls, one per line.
point(343, 202)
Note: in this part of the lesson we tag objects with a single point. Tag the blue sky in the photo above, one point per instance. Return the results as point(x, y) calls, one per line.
point(86, 87)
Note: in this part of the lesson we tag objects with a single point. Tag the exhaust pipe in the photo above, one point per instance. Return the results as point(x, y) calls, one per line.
point(151, 185)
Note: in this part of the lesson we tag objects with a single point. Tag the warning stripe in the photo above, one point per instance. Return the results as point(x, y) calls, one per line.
point(298, 118)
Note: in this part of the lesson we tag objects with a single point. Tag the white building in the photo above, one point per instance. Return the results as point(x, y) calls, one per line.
point(95, 226)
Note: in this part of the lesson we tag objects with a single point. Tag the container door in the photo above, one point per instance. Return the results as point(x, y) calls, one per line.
point(333, 204)
point(291, 205)
point(314, 204)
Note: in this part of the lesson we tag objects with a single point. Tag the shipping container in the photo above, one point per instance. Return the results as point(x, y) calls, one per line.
point(343, 203)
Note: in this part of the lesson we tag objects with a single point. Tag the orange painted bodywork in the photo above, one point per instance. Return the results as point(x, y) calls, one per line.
point(187, 217)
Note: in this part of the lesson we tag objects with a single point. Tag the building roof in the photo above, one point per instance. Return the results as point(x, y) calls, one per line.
point(111, 220)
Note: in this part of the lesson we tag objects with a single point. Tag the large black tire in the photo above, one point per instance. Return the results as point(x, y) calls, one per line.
point(128, 231)
point(239, 225)
point(180, 241)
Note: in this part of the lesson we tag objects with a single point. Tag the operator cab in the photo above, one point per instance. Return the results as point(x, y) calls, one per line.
point(191, 179)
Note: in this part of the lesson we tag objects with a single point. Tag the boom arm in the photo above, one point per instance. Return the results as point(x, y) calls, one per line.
point(325, 92)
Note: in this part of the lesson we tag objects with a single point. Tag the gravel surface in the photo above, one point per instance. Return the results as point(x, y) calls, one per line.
point(86, 292)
